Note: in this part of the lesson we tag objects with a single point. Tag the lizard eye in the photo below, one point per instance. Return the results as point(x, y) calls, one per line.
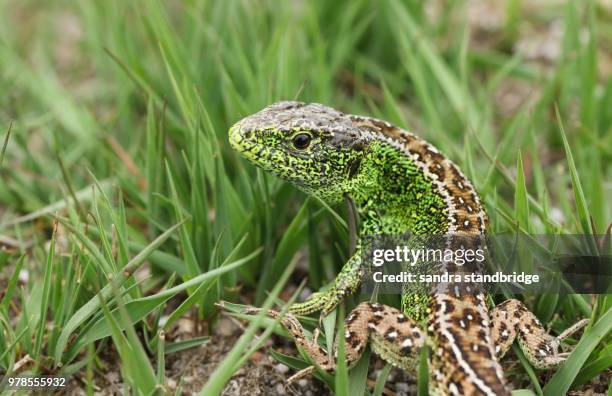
point(301, 141)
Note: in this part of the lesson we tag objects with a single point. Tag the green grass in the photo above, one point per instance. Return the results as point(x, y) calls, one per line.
point(114, 158)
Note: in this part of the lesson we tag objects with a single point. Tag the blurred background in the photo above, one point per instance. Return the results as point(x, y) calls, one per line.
point(113, 125)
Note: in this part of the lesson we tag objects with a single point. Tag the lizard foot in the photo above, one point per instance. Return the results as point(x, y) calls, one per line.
point(512, 320)
point(392, 335)
point(318, 355)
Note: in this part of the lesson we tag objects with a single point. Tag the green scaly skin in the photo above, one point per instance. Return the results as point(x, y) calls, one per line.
point(399, 184)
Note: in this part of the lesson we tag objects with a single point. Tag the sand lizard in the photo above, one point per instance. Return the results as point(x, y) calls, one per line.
point(399, 183)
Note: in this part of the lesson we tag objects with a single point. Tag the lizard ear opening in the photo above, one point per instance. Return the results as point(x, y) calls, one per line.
point(354, 167)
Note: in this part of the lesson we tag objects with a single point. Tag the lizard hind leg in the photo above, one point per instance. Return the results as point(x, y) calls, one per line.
point(393, 336)
point(396, 338)
point(512, 320)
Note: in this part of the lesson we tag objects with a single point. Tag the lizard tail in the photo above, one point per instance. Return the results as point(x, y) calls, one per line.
point(463, 353)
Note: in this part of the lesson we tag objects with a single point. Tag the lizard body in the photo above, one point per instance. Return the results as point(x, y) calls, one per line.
point(399, 183)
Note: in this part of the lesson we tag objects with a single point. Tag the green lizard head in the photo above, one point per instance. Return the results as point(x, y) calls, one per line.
point(315, 147)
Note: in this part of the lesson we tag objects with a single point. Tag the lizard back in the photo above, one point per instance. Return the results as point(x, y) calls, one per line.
point(463, 353)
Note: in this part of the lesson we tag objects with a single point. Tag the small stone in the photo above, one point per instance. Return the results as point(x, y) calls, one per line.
point(112, 377)
point(305, 293)
point(557, 215)
point(162, 320)
point(257, 357)
point(24, 276)
point(302, 383)
point(281, 368)
point(225, 327)
point(185, 326)
point(402, 387)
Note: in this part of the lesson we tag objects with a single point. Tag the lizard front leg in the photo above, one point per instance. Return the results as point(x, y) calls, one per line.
point(393, 336)
point(346, 283)
point(349, 278)
point(511, 320)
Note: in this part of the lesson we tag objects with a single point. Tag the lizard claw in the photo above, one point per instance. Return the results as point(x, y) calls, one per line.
point(571, 330)
point(306, 372)
point(315, 335)
point(291, 325)
point(245, 311)
point(557, 358)
point(299, 375)
point(556, 342)
point(251, 311)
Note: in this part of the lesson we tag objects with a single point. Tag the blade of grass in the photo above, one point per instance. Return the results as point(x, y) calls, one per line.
point(563, 378)
point(226, 368)
point(264, 336)
point(530, 372)
point(288, 245)
point(139, 308)
point(5, 144)
point(92, 306)
point(161, 358)
point(84, 195)
point(136, 367)
point(423, 373)
point(379, 387)
point(358, 376)
point(581, 203)
point(178, 346)
point(42, 323)
point(341, 377)
point(12, 283)
point(521, 203)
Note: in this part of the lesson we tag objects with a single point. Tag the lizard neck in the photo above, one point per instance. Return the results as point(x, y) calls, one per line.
point(405, 184)
point(396, 197)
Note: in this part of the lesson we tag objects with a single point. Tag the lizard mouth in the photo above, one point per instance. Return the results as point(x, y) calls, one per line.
point(237, 139)
point(255, 152)
point(243, 142)
point(261, 156)
point(265, 157)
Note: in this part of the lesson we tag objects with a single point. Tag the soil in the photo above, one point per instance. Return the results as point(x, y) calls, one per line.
point(188, 371)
